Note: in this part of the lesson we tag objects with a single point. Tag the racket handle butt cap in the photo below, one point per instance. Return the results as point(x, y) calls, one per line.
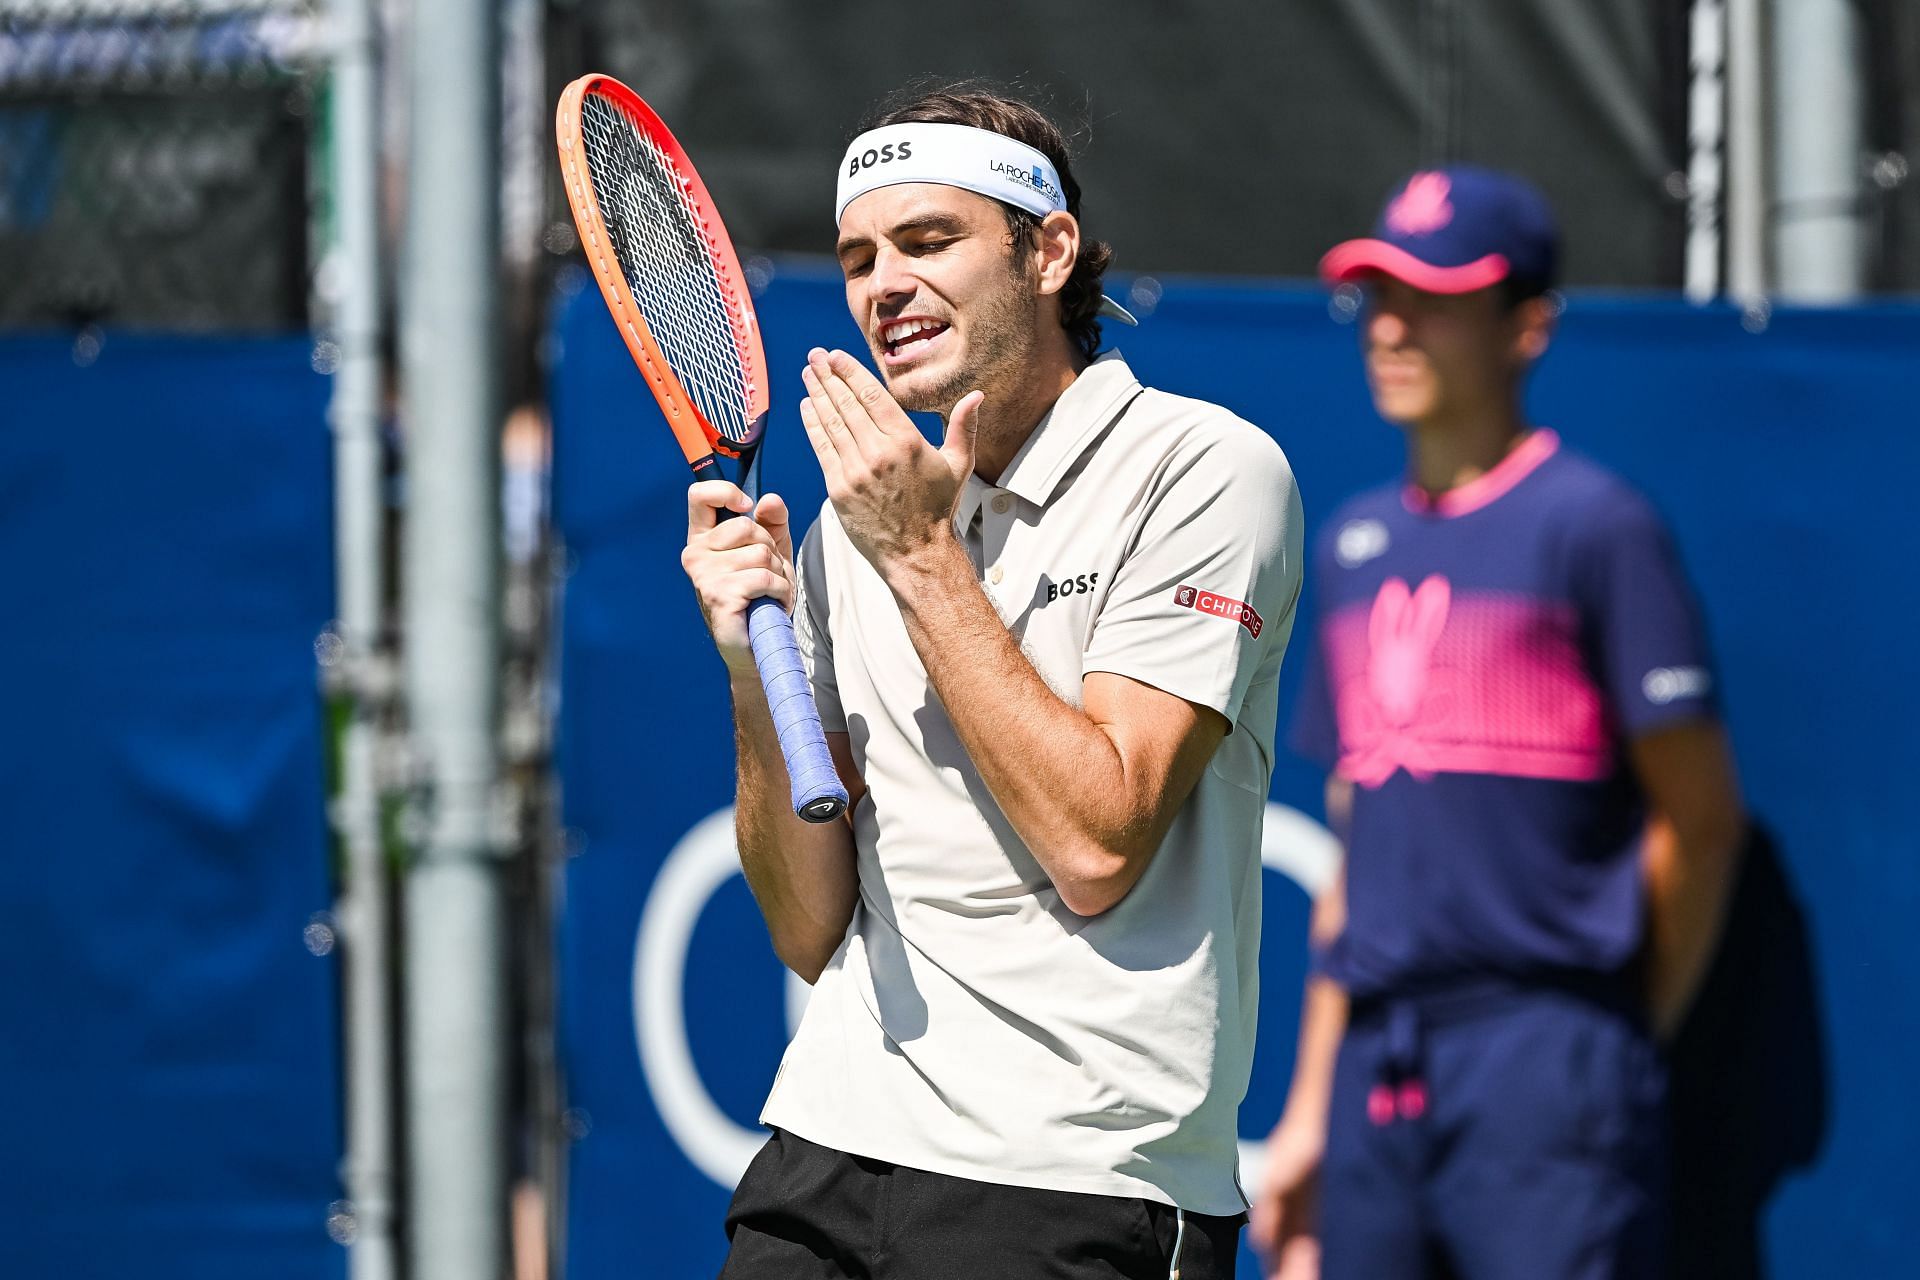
point(824, 809)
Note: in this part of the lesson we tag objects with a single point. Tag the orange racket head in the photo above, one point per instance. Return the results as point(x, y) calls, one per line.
point(665, 266)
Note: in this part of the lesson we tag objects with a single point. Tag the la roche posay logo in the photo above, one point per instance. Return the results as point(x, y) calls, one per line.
point(1031, 176)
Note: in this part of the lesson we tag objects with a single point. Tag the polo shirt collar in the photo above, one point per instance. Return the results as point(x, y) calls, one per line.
point(1074, 422)
point(1077, 418)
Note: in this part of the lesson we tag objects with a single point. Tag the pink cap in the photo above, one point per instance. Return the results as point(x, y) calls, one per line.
point(1455, 230)
point(1355, 259)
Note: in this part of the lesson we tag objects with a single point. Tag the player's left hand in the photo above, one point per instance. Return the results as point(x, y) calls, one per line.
point(1282, 1223)
point(894, 492)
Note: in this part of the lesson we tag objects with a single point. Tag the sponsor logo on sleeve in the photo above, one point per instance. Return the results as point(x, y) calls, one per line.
point(1358, 542)
point(1669, 684)
point(1220, 607)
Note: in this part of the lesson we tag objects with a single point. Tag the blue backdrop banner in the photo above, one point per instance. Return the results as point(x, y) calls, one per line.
point(1783, 459)
point(169, 1061)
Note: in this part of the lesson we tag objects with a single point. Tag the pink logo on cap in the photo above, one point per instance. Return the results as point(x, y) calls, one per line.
point(1423, 207)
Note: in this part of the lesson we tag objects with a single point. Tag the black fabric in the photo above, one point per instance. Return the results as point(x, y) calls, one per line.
point(808, 1212)
point(1750, 1095)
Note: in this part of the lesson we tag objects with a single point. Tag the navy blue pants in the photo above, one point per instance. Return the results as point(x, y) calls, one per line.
point(1513, 1136)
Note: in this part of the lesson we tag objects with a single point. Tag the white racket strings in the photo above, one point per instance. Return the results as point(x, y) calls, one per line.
point(666, 262)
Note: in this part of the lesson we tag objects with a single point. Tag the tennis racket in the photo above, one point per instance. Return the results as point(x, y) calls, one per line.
point(669, 275)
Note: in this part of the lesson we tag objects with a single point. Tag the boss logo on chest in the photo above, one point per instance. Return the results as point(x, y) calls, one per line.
point(1075, 584)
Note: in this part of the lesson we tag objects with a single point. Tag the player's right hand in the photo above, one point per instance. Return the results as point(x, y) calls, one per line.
point(1283, 1225)
point(733, 562)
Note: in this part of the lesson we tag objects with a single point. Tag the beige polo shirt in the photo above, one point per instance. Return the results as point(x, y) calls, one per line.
point(969, 1023)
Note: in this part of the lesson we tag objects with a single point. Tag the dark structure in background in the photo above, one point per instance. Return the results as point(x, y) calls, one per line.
point(1893, 140)
point(1749, 1094)
point(155, 159)
point(154, 167)
point(1240, 138)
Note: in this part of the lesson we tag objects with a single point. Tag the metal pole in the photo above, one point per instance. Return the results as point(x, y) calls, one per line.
point(457, 1036)
point(1746, 207)
point(1820, 214)
point(1706, 138)
point(365, 915)
point(366, 905)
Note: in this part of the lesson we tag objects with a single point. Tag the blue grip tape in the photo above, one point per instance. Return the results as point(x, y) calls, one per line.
point(817, 793)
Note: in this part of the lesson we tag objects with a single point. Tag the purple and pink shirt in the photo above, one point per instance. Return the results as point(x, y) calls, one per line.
point(1482, 660)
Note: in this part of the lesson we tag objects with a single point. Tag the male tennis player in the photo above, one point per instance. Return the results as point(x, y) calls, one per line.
point(1045, 655)
point(1512, 690)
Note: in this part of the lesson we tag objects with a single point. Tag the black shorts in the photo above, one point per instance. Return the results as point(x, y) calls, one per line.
point(807, 1212)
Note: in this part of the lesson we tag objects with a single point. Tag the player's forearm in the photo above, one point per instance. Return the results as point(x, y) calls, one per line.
point(1059, 779)
point(1323, 1021)
point(1323, 1008)
point(802, 874)
point(1689, 880)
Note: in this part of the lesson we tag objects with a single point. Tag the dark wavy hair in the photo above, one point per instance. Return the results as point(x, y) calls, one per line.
point(984, 107)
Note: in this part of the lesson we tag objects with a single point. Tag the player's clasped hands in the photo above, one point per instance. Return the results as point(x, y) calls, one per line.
point(894, 492)
point(733, 562)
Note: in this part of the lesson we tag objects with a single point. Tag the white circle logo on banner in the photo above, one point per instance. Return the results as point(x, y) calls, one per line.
point(1291, 843)
point(694, 869)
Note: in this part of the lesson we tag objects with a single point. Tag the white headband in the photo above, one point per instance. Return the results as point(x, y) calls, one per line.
point(953, 155)
point(956, 155)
